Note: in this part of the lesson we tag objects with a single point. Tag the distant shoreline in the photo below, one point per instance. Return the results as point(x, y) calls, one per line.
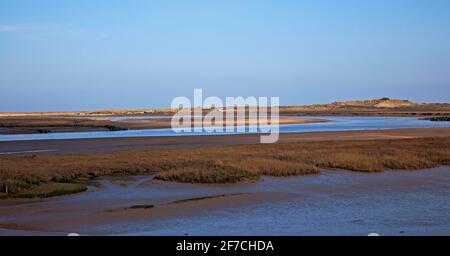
point(375, 107)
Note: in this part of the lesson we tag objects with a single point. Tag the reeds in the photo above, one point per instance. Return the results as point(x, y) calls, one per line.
point(227, 164)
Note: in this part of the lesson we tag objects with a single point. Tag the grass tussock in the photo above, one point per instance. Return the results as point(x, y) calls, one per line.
point(43, 124)
point(225, 164)
point(205, 175)
point(51, 189)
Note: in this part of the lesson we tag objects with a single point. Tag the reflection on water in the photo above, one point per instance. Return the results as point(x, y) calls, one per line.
point(333, 203)
point(336, 124)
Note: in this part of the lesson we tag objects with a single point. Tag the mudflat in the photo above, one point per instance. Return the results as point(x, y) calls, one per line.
point(108, 145)
point(386, 203)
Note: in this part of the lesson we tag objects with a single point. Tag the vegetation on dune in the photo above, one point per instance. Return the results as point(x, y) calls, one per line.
point(20, 174)
point(375, 107)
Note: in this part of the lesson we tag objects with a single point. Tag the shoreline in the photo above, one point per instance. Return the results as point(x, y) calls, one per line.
point(374, 107)
point(34, 125)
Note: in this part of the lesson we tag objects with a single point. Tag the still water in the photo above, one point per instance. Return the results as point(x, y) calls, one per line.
point(332, 203)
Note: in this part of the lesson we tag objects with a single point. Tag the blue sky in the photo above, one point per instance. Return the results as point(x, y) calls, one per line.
point(76, 55)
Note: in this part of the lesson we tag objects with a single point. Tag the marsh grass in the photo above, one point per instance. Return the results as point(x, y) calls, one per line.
point(227, 164)
point(275, 167)
point(42, 124)
point(51, 189)
point(204, 175)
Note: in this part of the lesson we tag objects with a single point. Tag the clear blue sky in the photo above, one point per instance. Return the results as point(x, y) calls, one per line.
point(75, 55)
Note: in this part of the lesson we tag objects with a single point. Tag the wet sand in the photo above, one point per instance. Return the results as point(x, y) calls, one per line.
point(333, 203)
point(106, 145)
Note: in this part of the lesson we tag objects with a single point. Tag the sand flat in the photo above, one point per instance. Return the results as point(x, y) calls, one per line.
point(106, 145)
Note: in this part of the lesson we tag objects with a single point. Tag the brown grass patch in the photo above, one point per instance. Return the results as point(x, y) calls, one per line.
point(226, 164)
point(275, 167)
point(206, 175)
point(51, 189)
